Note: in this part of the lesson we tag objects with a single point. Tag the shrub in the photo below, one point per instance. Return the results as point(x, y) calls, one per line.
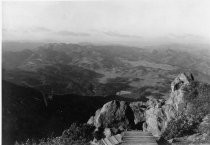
point(77, 134)
point(198, 97)
point(179, 127)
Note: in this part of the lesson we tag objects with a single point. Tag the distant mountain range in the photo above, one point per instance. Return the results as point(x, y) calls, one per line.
point(86, 69)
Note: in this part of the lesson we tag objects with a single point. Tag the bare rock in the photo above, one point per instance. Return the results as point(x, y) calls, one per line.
point(116, 115)
point(180, 80)
point(107, 132)
point(155, 118)
point(176, 98)
point(91, 121)
point(160, 112)
point(139, 112)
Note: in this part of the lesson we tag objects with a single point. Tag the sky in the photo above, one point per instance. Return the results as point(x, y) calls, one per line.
point(120, 21)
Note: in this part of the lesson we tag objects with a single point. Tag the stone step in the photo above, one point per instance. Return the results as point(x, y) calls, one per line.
point(141, 141)
point(133, 137)
point(124, 139)
point(102, 142)
point(140, 138)
point(138, 144)
point(113, 140)
point(107, 141)
point(140, 134)
point(118, 137)
point(137, 135)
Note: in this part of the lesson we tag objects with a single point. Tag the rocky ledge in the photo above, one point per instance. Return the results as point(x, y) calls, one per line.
point(185, 113)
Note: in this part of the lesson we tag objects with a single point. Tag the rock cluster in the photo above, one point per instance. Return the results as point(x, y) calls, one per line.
point(152, 116)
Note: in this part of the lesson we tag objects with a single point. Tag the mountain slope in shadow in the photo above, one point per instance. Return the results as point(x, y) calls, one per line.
point(27, 114)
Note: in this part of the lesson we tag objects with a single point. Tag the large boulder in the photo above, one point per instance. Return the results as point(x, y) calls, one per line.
point(116, 115)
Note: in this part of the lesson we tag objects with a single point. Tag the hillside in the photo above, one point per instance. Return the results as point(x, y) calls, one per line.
point(27, 113)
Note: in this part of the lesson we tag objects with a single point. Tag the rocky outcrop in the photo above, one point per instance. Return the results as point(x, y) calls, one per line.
point(176, 98)
point(116, 115)
point(160, 112)
point(152, 116)
point(181, 80)
point(139, 113)
point(156, 115)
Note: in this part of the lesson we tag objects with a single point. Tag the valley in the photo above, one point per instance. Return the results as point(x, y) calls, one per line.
point(59, 68)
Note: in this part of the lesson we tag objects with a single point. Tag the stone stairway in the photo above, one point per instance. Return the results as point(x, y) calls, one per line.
point(130, 138)
point(138, 138)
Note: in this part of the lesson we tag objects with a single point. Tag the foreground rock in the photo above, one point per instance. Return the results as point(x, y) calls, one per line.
point(116, 115)
point(156, 119)
point(139, 113)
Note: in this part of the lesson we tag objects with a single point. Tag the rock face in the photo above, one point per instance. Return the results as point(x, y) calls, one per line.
point(155, 118)
point(159, 113)
point(180, 80)
point(116, 115)
point(176, 98)
point(139, 113)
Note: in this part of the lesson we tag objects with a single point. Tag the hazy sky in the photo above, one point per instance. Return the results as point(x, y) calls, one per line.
point(108, 21)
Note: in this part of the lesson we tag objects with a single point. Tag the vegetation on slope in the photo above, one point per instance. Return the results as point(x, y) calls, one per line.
point(197, 97)
point(77, 134)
